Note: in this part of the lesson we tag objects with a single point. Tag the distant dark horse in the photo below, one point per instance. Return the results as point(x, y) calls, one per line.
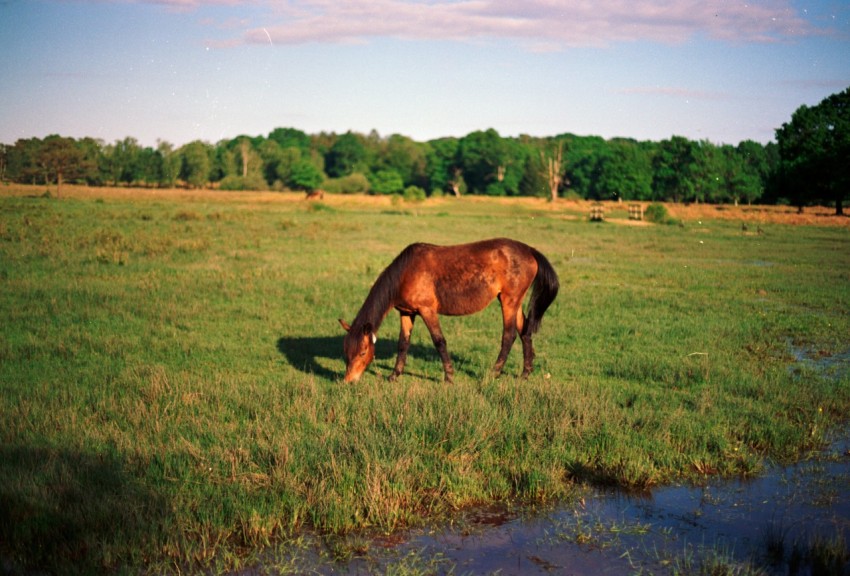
point(427, 280)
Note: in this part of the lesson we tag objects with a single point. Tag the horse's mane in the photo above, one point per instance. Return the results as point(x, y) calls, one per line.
point(383, 292)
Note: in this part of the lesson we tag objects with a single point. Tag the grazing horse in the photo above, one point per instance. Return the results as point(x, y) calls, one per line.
point(427, 280)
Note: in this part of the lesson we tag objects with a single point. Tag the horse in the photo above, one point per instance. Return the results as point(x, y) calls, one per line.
point(428, 280)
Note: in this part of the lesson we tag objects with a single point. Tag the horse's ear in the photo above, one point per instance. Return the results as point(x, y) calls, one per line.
point(367, 329)
point(345, 324)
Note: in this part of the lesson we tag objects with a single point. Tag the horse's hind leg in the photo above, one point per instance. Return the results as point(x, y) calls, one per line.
point(403, 344)
point(511, 314)
point(527, 352)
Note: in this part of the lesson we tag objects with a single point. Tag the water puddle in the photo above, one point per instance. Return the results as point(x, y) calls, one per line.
point(831, 366)
point(793, 520)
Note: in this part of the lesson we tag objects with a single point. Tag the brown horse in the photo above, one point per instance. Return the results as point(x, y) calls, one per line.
point(427, 280)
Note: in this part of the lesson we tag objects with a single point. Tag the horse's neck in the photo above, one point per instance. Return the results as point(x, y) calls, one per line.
point(384, 294)
point(376, 307)
point(369, 317)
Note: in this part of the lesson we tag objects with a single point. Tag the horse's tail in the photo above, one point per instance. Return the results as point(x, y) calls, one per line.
point(542, 294)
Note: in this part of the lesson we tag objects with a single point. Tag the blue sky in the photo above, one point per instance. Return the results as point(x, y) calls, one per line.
point(183, 70)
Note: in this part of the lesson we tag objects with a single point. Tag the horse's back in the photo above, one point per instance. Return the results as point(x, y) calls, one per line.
point(464, 278)
point(481, 250)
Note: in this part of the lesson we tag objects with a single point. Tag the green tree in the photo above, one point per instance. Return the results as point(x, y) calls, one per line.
point(170, 163)
point(246, 156)
point(814, 151)
point(287, 160)
point(4, 161)
point(92, 150)
point(474, 160)
point(123, 161)
point(240, 159)
point(623, 171)
point(485, 158)
point(543, 172)
point(305, 176)
point(407, 157)
point(386, 182)
point(581, 155)
point(673, 167)
point(196, 166)
point(443, 168)
point(23, 161)
point(290, 138)
point(706, 173)
point(62, 159)
point(223, 162)
point(346, 156)
point(271, 155)
point(740, 178)
point(758, 161)
point(149, 166)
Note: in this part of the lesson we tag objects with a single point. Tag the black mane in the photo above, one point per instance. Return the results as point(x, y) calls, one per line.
point(383, 292)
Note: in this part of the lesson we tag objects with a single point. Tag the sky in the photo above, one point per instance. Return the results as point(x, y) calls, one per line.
point(183, 70)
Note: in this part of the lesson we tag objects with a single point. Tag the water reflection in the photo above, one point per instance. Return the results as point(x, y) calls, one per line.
point(766, 525)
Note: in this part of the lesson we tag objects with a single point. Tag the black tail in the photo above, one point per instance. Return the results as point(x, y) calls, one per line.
point(542, 294)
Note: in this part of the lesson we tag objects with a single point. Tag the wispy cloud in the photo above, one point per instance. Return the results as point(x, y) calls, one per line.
point(537, 24)
point(187, 5)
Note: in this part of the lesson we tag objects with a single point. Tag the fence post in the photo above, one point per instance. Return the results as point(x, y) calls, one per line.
point(635, 211)
point(597, 213)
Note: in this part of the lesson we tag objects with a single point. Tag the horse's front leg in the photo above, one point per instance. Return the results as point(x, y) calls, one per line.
point(403, 344)
point(433, 324)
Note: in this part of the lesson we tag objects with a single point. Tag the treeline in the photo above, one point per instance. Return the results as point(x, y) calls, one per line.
point(481, 162)
point(793, 170)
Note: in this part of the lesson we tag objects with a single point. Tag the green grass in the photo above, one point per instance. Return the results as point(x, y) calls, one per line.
point(170, 370)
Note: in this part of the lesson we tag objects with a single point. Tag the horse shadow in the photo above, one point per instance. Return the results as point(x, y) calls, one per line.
point(304, 354)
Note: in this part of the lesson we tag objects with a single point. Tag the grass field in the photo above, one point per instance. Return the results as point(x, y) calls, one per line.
point(171, 364)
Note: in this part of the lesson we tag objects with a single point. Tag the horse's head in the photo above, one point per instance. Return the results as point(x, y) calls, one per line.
point(359, 349)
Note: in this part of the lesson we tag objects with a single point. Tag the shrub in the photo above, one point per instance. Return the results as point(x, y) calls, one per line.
point(250, 182)
point(414, 194)
point(387, 182)
point(496, 189)
point(658, 213)
point(352, 184)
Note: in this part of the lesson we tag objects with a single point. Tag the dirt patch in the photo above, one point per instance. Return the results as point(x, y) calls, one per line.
point(815, 215)
point(753, 215)
point(623, 222)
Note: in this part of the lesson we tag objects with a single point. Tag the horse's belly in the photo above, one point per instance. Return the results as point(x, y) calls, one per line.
point(462, 298)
